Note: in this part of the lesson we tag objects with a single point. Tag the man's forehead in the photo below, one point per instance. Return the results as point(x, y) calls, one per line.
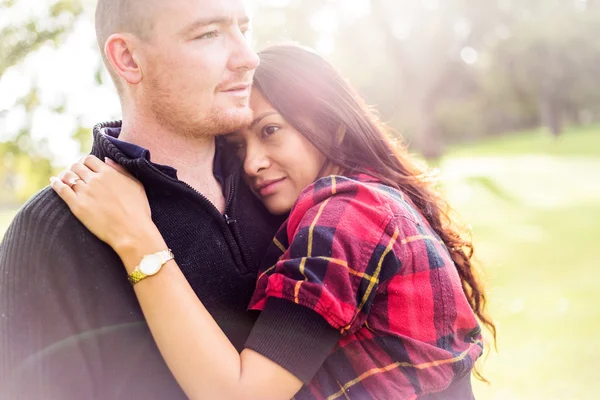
point(190, 10)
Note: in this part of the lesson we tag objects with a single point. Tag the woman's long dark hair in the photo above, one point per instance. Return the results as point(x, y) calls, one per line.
point(314, 98)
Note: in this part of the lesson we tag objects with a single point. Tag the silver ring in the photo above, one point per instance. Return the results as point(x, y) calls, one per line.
point(74, 182)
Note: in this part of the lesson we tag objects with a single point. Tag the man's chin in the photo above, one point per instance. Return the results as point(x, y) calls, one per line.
point(232, 120)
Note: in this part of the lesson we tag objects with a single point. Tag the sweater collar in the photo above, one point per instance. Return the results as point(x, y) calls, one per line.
point(107, 144)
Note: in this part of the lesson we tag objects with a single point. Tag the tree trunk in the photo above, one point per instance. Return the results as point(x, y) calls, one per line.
point(550, 115)
point(425, 138)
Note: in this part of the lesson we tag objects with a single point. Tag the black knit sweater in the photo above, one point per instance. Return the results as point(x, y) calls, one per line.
point(70, 324)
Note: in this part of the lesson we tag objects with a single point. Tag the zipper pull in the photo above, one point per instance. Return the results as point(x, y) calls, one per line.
point(228, 220)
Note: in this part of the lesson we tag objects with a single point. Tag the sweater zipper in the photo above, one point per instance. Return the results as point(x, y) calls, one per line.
point(245, 251)
point(237, 254)
point(231, 222)
point(229, 201)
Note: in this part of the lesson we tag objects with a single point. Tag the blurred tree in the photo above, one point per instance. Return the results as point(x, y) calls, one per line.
point(490, 66)
point(425, 42)
point(19, 41)
point(547, 67)
point(25, 164)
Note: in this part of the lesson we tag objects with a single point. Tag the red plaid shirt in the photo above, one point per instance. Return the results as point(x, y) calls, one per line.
point(358, 253)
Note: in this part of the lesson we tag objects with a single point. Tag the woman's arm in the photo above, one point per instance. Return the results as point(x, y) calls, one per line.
point(198, 353)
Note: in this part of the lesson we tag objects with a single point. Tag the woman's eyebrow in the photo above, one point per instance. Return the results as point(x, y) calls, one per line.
point(261, 117)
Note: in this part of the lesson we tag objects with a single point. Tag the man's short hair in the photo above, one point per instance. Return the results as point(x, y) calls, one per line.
point(122, 16)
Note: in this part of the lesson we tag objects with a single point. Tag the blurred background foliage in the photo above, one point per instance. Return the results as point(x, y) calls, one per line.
point(501, 95)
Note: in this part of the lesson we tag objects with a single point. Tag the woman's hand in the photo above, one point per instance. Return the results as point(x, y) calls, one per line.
point(109, 202)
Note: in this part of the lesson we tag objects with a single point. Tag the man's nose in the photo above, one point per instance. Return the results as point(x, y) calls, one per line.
point(243, 57)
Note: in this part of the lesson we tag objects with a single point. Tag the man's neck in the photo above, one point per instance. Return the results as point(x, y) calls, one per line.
point(192, 157)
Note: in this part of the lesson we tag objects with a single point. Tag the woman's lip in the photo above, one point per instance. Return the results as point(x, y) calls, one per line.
point(270, 188)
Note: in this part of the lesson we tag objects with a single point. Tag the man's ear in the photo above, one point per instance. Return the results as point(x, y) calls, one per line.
point(120, 52)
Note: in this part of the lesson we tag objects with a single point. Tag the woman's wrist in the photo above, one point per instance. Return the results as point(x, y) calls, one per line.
point(132, 248)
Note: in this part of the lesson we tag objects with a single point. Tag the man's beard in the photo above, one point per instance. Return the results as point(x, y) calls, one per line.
point(190, 122)
point(217, 121)
point(221, 121)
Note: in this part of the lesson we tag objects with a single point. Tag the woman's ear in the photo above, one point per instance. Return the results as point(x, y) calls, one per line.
point(120, 52)
point(339, 135)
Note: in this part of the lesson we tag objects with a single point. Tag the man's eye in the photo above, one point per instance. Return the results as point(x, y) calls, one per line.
point(246, 31)
point(209, 35)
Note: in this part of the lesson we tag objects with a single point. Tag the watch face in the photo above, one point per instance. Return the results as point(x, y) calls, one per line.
point(150, 264)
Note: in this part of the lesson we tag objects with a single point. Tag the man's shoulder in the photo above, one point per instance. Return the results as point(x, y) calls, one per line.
point(45, 233)
point(43, 217)
point(46, 208)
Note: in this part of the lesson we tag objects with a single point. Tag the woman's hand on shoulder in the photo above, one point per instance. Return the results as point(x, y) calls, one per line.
point(107, 200)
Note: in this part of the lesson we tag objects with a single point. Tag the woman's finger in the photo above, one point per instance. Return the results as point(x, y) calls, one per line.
point(69, 178)
point(63, 190)
point(93, 163)
point(82, 171)
point(119, 168)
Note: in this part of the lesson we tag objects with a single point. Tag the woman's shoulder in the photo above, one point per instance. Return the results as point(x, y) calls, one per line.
point(361, 188)
point(341, 191)
point(358, 198)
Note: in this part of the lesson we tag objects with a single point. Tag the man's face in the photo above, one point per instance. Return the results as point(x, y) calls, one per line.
point(197, 66)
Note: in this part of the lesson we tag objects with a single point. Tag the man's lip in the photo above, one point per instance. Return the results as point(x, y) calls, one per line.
point(244, 86)
point(264, 184)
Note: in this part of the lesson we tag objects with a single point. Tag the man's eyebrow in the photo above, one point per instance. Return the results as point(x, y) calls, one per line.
point(214, 21)
point(261, 117)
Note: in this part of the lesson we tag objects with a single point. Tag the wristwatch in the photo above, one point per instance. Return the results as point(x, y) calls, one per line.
point(150, 265)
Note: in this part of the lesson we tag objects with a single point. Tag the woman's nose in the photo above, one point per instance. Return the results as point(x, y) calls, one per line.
point(256, 159)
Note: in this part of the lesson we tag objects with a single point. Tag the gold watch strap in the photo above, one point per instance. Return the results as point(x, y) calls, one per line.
point(136, 276)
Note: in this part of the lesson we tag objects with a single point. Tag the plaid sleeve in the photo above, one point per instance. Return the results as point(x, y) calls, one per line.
point(338, 238)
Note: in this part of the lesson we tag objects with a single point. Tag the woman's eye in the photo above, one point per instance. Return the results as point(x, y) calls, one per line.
point(270, 130)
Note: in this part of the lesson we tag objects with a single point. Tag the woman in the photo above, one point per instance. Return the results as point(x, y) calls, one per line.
point(368, 248)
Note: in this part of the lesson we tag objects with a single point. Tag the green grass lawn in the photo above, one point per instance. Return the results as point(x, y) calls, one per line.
point(578, 142)
point(534, 205)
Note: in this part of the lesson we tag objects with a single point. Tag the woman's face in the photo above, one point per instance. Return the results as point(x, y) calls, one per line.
point(279, 162)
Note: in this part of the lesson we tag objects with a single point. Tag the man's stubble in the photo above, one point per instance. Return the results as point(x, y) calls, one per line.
point(186, 118)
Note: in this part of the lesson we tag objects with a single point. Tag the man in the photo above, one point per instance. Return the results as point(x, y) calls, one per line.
point(70, 325)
